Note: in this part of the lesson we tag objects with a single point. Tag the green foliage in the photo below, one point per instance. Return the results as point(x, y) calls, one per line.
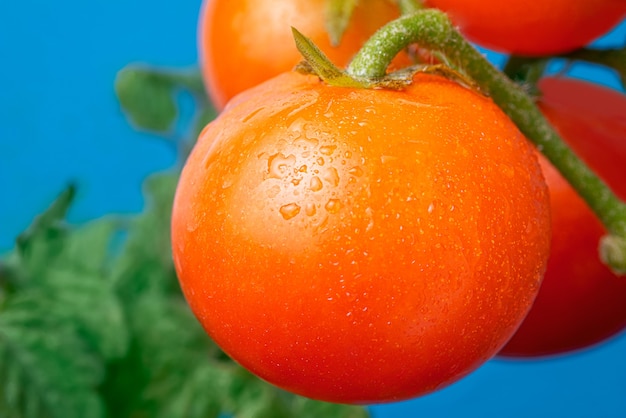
point(46, 368)
point(52, 343)
point(146, 96)
point(93, 323)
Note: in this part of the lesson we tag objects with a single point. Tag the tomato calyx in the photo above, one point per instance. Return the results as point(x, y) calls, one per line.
point(317, 63)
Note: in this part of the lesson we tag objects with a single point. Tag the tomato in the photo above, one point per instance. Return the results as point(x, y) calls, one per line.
point(581, 302)
point(245, 42)
point(533, 27)
point(357, 245)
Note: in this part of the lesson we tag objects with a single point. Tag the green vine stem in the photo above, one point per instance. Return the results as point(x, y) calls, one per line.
point(432, 29)
point(614, 58)
point(525, 70)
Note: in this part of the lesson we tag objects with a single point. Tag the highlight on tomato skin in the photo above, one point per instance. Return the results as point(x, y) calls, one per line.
point(533, 28)
point(242, 43)
point(581, 302)
point(361, 246)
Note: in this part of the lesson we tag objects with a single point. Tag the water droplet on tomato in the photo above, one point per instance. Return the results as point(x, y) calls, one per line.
point(328, 149)
point(309, 209)
point(387, 158)
point(252, 115)
point(333, 205)
point(298, 125)
point(278, 165)
point(331, 175)
point(289, 210)
point(315, 184)
point(193, 224)
point(228, 182)
point(508, 171)
point(356, 171)
point(370, 216)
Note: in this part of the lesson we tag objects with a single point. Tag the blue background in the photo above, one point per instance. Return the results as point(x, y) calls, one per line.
point(62, 122)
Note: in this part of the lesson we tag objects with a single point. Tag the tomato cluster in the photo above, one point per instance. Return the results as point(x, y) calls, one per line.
point(369, 245)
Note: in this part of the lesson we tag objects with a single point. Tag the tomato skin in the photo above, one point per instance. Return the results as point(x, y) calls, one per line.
point(533, 27)
point(244, 42)
point(581, 301)
point(360, 246)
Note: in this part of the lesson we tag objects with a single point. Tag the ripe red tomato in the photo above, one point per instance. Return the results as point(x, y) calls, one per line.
point(245, 42)
point(581, 302)
point(356, 245)
point(533, 27)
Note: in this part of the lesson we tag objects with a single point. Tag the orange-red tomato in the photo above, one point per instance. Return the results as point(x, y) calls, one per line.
point(581, 302)
point(245, 42)
point(356, 245)
point(533, 27)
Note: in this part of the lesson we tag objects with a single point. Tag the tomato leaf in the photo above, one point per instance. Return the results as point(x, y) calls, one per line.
point(197, 395)
point(90, 247)
point(45, 368)
point(338, 14)
point(160, 372)
point(147, 97)
point(66, 266)
point(251, 397)
point(43, 239)
point(88, 301)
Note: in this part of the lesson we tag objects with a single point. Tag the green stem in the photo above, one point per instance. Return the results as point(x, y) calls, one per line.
point(612, 58)
point(432, 29)
point(525, 70)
